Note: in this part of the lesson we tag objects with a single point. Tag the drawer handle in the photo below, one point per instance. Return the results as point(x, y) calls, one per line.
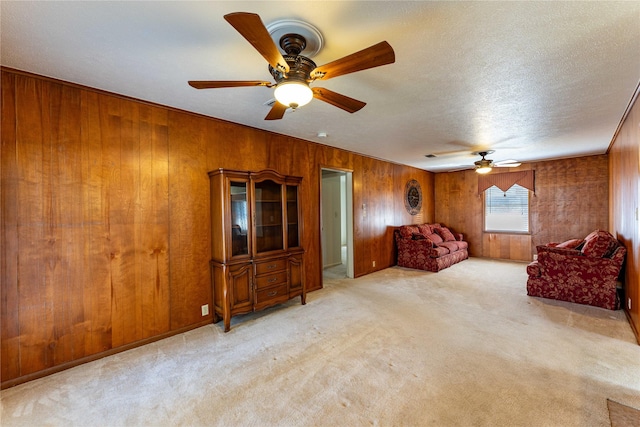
point(272, 293)
point(272, 266)
point(275, 279)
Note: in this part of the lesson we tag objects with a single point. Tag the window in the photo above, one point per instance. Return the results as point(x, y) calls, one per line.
point(506, 211)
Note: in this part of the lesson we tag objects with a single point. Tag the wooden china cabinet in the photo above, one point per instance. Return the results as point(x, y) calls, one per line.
point(257, 257)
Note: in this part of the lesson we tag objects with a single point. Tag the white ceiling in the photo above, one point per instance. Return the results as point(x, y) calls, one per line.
point(531, 80)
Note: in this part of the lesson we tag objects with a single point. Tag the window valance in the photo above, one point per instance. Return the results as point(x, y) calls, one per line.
point(504, 181)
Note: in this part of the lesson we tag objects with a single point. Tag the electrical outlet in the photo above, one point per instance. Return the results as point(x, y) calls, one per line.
point(205, 309)
point(535, 257)
point(629, 303)
point(374, 263)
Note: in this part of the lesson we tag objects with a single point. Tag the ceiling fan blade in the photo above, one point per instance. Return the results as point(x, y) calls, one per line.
point(374, 56)
point(461, 168)
point(214, 84)
point(507, 164)
point(276, 112)
point(250, 26)
point(337, 100)
point(460, 153)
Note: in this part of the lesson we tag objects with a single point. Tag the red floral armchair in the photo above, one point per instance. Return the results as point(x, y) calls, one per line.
point(580, 271)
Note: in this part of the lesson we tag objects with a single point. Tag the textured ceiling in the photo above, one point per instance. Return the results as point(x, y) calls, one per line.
point(531, 80)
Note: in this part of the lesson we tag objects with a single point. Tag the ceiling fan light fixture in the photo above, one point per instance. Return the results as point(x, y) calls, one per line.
point(293, 94)
point(483, 169)
point(483, 166)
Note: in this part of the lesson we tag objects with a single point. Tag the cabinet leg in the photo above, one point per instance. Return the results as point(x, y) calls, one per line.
point(303, 299)
point(227, 322)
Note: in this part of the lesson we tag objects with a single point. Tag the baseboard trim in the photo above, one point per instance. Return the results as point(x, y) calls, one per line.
point(634, 327)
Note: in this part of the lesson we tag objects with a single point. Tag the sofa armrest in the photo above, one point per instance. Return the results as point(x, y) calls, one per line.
point(618, 255)
point(533, 269)
point(459, 236)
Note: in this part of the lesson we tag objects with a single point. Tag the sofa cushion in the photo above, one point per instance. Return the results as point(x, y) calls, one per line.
point(452, 246)
point(425, 229)
point(418, 236)
point(462, 244)
point(435, 238)
point(429, 237)
point(439, 251)
point(599, 244)
point(407, 231)
point(562, 251)
point(446, 234)
point(569, 244)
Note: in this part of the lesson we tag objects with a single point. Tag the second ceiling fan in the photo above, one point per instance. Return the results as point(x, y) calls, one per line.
point(483, 165)
point(294, 72)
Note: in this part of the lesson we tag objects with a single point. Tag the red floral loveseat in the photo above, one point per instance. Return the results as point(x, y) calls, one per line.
point(580, 271)
point(430, 247)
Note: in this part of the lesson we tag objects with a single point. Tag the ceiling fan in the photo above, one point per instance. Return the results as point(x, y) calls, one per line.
point(483, 165)
point(294, 72)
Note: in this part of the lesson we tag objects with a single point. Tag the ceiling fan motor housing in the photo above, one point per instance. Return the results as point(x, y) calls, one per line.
point(300, 67)
point(293, 44)
point(484, 163)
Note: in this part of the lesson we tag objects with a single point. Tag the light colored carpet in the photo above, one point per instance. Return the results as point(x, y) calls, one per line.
point(400, 347)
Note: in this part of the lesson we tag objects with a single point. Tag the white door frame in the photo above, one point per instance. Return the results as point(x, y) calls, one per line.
point(349, 215)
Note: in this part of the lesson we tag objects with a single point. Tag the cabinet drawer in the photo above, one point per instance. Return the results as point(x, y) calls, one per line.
point(270, 266)
point(272, 295)
point(271, 280)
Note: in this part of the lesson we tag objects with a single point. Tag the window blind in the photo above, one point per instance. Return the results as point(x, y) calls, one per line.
point(506, 211)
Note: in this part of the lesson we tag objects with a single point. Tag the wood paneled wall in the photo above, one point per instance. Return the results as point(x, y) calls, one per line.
point(624, 159)
point(571, 200)
point(104, 205)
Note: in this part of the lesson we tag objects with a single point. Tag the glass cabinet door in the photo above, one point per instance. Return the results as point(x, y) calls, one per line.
point(239, 218)
point(268, 216)
point(292, 217)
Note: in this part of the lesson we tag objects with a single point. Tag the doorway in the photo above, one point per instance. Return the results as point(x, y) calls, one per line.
point(336, 223)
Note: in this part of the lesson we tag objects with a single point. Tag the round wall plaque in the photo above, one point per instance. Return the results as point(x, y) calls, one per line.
point(413, 197)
